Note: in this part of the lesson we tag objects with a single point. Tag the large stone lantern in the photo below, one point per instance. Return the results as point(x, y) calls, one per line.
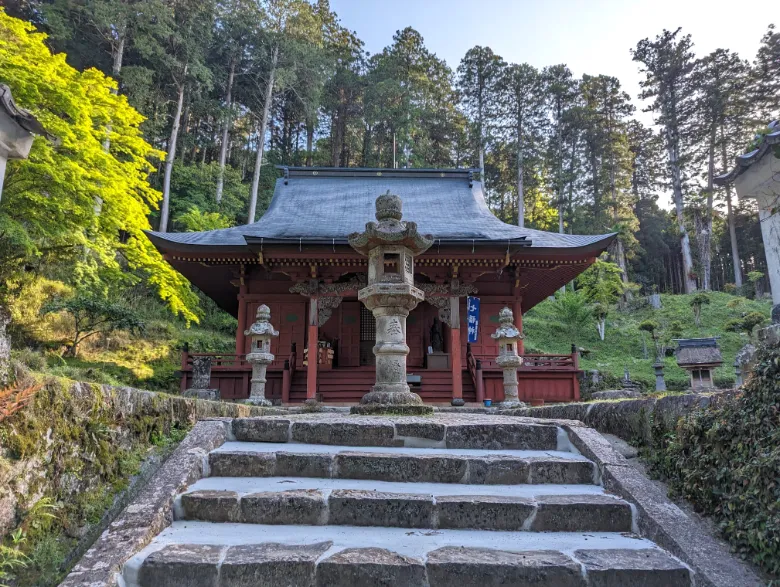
point(260, 356)
point(508, 337)
point(390, 246)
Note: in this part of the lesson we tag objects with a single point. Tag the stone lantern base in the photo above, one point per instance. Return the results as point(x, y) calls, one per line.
point(392, 409)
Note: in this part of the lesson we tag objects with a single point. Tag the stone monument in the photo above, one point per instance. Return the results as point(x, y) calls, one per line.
point(260, 356)
point(508, 336)
point(201, 380)
point(390, 245)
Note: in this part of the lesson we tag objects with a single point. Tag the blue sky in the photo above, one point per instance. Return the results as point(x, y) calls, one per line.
point(590, 36)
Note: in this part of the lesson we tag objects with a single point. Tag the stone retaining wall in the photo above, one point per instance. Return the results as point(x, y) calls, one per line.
point(632, 420)
point(75, 443)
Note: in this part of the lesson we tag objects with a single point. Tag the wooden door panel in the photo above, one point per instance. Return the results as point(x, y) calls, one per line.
point(415, 336)
point(349, 336)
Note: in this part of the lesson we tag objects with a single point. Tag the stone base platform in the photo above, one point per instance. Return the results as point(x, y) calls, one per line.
point(391, 410)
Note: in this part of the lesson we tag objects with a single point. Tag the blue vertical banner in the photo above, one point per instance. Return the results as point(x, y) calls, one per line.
point(472, 318)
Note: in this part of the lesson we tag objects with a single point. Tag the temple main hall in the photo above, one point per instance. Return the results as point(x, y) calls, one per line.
point(296, 260)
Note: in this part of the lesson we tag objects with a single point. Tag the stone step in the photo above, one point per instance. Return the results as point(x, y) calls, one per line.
point(363, 507)
point(479, 433)
point(196, 554)
point(238, 459)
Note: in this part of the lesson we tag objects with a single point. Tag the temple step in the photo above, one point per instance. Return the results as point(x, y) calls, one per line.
point(200, 554)
point(338, 502)
point(405, 465)
point(478, 432)
point(332, 500)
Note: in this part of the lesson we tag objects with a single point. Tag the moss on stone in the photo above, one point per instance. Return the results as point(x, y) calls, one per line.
point(72, 449)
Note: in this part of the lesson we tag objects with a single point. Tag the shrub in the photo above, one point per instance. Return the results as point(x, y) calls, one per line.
point(725, 460)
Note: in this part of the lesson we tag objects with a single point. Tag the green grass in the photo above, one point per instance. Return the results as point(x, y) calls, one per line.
point(623, 346)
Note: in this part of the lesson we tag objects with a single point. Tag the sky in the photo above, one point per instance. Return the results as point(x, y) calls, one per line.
point(590, 36)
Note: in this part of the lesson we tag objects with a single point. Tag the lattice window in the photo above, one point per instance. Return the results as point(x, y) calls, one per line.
point(367, 324)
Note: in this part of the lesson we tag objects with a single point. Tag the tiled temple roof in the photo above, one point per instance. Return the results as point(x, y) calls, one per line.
point(767, 143)
point(324, 205)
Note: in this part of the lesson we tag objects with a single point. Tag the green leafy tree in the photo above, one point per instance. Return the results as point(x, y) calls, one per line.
point(766, 77)
point(668, 62)
point(573, 313)
point(479, 74)
point(522, 107)
point(603, 286)
point(194, 220)
point(746, 323)
point(47, 214)
point(91, 316)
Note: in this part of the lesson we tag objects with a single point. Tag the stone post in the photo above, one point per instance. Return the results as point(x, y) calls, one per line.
point(261, 332)
point(201, 380)
point(508, 337)
point(390, 246)
point(660, 382)
point(738, 381)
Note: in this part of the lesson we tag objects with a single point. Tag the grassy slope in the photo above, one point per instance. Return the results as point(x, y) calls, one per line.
point(623, 344)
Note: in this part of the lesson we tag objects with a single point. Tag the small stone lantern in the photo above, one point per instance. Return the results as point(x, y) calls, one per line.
point(508, 337)
point(390, 246)
point(260, 356)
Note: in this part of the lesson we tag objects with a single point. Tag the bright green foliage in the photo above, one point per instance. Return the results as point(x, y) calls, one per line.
point(746, 323)
point(49, 201)
point(93, 316)
point(194, 220)
point(601, 283)
point(725, 460)
point(572, 313)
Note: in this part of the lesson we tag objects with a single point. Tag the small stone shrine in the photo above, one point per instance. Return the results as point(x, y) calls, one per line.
point(261, 333)
point(201, 380)
point(508, 337)
point(390, 246)
point(700, 357)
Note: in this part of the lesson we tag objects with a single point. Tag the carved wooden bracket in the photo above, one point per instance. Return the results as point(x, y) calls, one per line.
point(439, 295)
point(329, 295)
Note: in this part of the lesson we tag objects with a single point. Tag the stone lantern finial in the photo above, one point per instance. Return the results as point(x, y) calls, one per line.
point(261, 332)
point(508, 359)
point(390, 245)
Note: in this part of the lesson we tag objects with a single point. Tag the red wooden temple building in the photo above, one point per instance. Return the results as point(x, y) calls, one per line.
point(296, 259)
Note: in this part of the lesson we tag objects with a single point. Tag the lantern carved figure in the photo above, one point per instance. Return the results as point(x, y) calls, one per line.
point(508, 336)
point(390, 246)
point(260, 356)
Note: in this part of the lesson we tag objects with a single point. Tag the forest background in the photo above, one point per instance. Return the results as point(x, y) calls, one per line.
point(185, 107)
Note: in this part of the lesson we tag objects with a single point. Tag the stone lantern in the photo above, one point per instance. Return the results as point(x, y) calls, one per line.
point(260, 355)
point(390, 246)
point(508, 359)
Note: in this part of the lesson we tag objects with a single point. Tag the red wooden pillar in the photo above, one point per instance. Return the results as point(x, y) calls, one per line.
point(455, 359)
point(311, 371)
point(517, 310)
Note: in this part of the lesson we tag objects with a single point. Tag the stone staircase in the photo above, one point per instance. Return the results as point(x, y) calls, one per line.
point(354, 501)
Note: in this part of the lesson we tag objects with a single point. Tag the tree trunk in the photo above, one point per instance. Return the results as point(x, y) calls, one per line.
point(705, 249)
point(225, 133)
point(685, 244)
point(730, 217)
point(170, 159)
point(269, 92)
point(309, 142)
point(520, 195)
